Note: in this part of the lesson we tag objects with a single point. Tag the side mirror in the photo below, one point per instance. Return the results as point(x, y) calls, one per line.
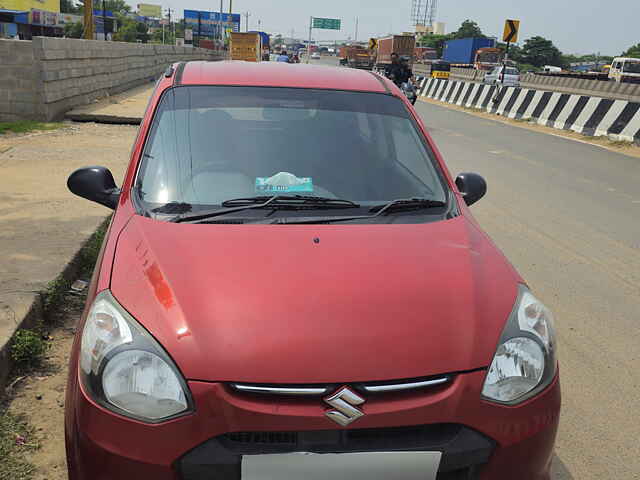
point(472, 186)
point(95, 184)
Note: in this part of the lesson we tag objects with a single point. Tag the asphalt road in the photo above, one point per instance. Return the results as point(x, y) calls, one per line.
point(567, 215)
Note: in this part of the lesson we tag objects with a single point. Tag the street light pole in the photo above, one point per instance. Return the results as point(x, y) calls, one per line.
point(309, 44)
point(356, 29)
point(104, 21)
point(246, 16)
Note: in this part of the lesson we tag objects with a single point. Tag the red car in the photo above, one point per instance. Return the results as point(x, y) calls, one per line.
point(291, 286)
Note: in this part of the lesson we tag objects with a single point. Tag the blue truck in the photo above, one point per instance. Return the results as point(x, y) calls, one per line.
point(465, 51)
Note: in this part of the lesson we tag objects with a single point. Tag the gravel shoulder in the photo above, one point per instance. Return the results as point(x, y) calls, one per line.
point(43, 225)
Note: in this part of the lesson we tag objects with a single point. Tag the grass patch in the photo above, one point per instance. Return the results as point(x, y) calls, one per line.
point(90, 251)
point(621, 143)
point(16, 440)
point(25, 126)
point(27, 349)
point(54, 294)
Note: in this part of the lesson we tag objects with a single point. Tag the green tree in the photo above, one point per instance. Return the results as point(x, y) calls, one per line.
point(538, 51)
point(131, 31)
point(633, 52)
point(169, 39)
point(468, 29)
point(69, 6)
point(73, 30)
point(435, 41)
point(515, 52)
point(115, 6)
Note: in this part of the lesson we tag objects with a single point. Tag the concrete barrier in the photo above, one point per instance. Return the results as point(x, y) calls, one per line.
point(576, 86)
point(468, 74)
point(588, 115)
point(48, 76)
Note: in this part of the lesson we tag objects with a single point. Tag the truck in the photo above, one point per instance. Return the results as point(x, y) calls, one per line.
point(246, 46)
point(359, 57)
point(403, 45)
point(479, 53)
point(265, 43)
point(343, 55)
point(425, 54)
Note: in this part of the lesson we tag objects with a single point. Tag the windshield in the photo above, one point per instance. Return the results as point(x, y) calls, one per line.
point(210, 144)
point(631, 67)
point(512, 71)
point(489, 57)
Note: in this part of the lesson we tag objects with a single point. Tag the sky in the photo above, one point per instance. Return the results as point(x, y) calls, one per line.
point(575, 26)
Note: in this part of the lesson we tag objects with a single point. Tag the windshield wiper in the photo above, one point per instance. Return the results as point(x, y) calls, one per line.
point(380, 210)
point(295, 202)
point(403, 204)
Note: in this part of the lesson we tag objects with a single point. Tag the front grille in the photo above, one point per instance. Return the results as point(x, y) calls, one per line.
point(263, 438)
point(332, 441)
point(319, 390)
point(220, 458)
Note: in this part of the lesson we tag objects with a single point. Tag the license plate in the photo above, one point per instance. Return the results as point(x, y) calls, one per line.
point(342, 466)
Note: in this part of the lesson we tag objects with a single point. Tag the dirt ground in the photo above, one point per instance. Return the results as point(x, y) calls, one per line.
point(39, 397)
point(42, 224)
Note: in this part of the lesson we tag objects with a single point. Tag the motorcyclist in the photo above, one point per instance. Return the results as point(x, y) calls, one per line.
point(406, 73)
point(394, 71)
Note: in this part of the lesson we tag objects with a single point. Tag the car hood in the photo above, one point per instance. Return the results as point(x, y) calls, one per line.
point(316, 303)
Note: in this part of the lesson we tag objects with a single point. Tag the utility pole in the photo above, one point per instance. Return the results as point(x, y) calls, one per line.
point(309, 44)
point(169, 10)
point(104, 21)
point(220, 23)
point(88, 19)
point(246, 16)
point(231, 15)
point(356, 29)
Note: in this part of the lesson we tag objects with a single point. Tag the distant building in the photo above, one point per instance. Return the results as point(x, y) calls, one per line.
point(28, 5)
point(437, 28)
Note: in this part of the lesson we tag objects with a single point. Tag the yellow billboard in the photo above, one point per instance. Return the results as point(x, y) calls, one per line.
point(27, 5)
point(148, 10)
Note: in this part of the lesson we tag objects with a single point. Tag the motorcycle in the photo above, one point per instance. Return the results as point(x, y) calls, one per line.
point(409, 89)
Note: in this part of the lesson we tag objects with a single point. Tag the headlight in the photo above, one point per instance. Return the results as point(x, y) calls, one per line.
point(125, 369)
point(525, 360)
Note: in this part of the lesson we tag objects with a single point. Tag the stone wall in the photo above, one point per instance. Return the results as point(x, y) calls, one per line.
point(19, 82)
point(57, 74)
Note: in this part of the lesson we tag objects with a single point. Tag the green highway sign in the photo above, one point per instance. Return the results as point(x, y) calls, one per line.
point(327, 23)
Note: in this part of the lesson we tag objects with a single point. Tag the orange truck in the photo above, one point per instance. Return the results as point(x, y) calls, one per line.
point(487, 58)
point(343, 55)
point(403, 45)
point(246, 46)
point(359, 57)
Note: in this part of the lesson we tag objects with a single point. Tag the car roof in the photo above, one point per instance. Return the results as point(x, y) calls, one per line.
point(280, 74)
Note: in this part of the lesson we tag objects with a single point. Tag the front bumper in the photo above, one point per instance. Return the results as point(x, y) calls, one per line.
point(479, 440)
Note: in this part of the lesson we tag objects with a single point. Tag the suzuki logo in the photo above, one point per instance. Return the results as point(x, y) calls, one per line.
point(344, 401)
